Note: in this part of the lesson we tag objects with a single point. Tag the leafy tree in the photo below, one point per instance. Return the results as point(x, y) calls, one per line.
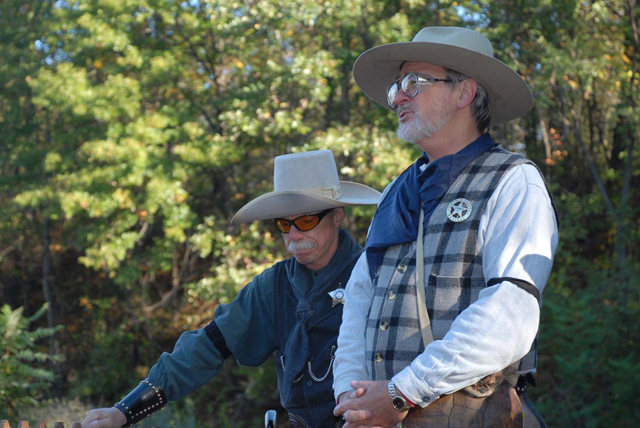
point(133, 130)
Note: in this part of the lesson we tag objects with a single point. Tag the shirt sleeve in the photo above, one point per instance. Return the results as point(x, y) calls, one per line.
point(350, 362)
point(519, 235)
point(248, 328)
point(248, 323)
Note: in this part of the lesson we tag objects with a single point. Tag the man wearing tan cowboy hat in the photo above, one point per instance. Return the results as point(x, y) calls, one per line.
point(444, 302)
point(292, 309)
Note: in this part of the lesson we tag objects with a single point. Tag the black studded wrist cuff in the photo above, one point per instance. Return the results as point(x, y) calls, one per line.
point(141, 402)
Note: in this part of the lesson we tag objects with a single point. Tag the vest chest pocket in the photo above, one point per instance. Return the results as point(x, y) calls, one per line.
point(447, 297)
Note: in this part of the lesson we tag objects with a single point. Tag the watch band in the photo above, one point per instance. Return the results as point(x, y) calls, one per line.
point(397, 400)
point(145, 399)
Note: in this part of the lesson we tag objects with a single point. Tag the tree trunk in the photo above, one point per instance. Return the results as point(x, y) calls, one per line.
point(48, 283)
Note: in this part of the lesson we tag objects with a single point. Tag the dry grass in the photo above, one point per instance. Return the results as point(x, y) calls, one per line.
point(57, 410)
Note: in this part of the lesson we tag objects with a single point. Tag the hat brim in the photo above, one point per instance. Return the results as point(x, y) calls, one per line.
point(509, 95)
point(292, 202)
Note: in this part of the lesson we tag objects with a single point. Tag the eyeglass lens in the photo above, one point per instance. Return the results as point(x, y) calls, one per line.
point(408, 84)
point(304, 223)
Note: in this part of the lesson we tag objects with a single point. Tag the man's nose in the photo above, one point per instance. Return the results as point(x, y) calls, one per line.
point(401, 98)
point(295, 234)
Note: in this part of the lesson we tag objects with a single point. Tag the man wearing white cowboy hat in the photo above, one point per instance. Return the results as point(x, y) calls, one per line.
point(280, 310)
point(443, 305)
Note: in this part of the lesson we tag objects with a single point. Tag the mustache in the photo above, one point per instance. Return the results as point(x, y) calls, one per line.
point(295, 246)
point(402, 108)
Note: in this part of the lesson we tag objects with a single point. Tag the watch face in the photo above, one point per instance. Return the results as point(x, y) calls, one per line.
point(399, 403)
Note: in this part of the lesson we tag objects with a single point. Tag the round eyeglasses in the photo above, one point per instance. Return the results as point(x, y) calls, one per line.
point(303, 223)
point(410, 85)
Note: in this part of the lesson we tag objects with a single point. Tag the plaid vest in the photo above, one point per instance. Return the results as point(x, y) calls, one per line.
point(453, 272)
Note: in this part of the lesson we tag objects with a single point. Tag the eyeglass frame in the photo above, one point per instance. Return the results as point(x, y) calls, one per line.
point(398, 83)
point(320, 216)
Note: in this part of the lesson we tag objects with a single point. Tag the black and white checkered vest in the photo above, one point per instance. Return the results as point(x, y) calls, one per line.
point(453, 273)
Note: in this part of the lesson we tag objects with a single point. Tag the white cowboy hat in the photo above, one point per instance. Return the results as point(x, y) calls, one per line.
point(459, 49)
point(303, 183)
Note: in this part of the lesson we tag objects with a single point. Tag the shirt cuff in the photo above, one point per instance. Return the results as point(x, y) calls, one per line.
point(341, 387)
point(416, 390)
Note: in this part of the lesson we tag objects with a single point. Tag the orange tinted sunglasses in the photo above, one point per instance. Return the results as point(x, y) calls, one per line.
point(303, 223)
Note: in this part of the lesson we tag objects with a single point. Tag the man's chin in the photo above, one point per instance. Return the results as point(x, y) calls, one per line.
point(302, 254)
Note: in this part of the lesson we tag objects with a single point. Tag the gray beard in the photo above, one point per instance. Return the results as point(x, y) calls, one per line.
point(419, 128)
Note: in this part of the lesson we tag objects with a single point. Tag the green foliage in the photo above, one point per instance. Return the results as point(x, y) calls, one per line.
point(589, 345)
point(22, 375)
point(138, 128)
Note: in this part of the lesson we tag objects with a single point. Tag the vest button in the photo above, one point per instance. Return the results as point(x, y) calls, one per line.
point(379, 358)
point(402, 268)
point(384, 325)
point(309, 383)
point(392, 295)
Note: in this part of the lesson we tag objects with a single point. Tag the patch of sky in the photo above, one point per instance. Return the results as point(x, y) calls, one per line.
point(152, 26)
point(516, 49)
point(190, 3)
point(41, 46)
point(61, 56)
point(477, 18)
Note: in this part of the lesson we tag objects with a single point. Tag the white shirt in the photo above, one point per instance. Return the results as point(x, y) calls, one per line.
point(518, 235)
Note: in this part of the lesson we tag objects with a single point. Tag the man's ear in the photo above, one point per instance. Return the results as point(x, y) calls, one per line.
point(338, 216)
point(467, 92)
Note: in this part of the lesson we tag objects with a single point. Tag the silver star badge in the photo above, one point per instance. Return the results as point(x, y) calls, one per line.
point(337, 296)
point(459, 210)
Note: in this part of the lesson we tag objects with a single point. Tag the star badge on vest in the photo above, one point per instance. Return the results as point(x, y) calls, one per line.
point(337, 296)
point(459, 210)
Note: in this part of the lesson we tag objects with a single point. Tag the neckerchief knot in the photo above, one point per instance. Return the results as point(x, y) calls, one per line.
point(304, 311)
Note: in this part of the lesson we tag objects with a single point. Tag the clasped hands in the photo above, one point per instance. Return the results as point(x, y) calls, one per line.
point(368, 405)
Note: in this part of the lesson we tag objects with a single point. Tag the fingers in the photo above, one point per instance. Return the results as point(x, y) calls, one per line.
point(353, 416)
point(357, 425)
point(354, 394)
point(345, 397)
point(92, 416)
point(104, 418)
point(364, 384)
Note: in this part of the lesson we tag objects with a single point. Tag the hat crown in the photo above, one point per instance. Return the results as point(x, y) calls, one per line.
point(309, 171)
point(456, 36)
point(304, 183)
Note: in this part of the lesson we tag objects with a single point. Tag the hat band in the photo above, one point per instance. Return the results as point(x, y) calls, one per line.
point(332, 192)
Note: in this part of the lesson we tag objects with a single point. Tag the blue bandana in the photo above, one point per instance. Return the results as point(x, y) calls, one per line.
point(422, 184)
point(308, 292)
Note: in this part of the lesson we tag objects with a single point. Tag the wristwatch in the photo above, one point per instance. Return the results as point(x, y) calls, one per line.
point(397, 401)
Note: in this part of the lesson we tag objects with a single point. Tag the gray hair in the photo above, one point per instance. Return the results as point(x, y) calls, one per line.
point(480, 107)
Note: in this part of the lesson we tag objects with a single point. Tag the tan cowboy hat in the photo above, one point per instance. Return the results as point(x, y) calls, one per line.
point(459, 49)
point(303, 183)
